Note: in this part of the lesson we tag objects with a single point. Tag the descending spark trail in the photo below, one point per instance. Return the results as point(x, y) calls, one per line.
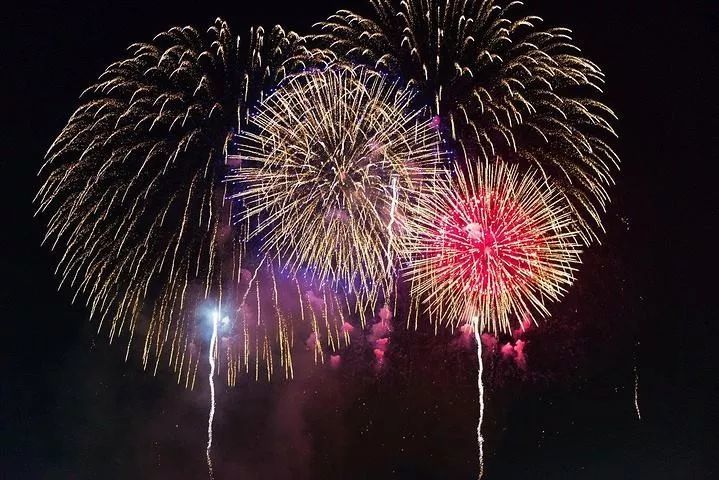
point(636, 386)
point(211, 358)
point(390, 224)
point(480, 385)
point(636, 392)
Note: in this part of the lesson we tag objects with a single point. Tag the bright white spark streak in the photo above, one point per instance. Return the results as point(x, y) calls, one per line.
point(211, 359)
point(390, 224)
point(480, 385)
point(636, 392)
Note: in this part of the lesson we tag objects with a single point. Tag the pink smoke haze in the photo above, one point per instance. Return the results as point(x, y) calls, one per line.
point(379, 330)
point(526, 325)
point(515, 353)
point(379, 356)
point(347, 327)
point(385, 314)
point(311, 341)
point(489, 342)
point(245, 275)
point(379, 335)
point(520, 358)
point(381, 344)
point(316, 302)
point(465, 338)
point(335, 361)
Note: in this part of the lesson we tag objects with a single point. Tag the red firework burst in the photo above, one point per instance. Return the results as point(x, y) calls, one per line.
point(490, 247)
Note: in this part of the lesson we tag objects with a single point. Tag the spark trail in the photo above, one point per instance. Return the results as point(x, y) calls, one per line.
point(390, 225)
point(636, 386)
point(211, 358)
point(480, 385)
point(636, 393)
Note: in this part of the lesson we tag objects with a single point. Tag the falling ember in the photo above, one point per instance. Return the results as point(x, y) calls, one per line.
point(480, 385)
point(636, 387)
point(636, 393)
point(390, 224)
point(211, 358)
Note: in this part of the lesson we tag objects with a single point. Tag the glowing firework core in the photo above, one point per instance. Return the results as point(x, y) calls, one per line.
point(487, 244)
point(494, 246)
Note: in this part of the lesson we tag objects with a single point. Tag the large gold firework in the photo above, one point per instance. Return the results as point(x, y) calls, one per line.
point(135, 199)
point(490, 248)
point(501, 84)
point(334, 161)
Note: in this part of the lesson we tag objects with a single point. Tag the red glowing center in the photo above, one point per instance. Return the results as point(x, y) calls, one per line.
point(486, 244)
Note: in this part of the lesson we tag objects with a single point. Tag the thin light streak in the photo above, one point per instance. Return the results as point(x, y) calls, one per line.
point(480, 386)
point(636, 384)
point(390, 225)
point(211, 359)
point(636, 393)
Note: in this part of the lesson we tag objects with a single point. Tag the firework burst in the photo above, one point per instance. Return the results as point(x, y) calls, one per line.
point(334, 161)
point(135, 200)
point(499, 83)
point(492, 248)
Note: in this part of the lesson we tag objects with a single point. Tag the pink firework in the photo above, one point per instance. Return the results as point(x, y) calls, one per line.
point(491, 247)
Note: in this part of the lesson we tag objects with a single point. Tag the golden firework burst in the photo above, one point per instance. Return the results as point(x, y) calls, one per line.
point(333, 163)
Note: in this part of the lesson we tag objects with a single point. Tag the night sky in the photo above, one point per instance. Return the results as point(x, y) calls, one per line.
point(72, 408)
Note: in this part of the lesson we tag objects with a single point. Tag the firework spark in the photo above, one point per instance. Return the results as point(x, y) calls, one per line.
point(636, 385)
point(492, 245)
point(636, 393)
point(335, 159)
point(135, 199)
point(211, 354)
point(499, 85)
point(480, 386)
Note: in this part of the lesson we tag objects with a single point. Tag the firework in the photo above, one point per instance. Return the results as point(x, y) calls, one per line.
point(480, 389)
point(333, 161)
point(636, 383)
point(499, 84)
point(491, 247)
point(211, 355)
point(135, 200)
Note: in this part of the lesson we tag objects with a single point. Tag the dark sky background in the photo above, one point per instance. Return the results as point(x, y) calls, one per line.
point(73, 409)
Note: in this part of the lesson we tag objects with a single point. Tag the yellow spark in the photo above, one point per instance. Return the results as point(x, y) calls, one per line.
point(333, 159)
point(494, 75)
